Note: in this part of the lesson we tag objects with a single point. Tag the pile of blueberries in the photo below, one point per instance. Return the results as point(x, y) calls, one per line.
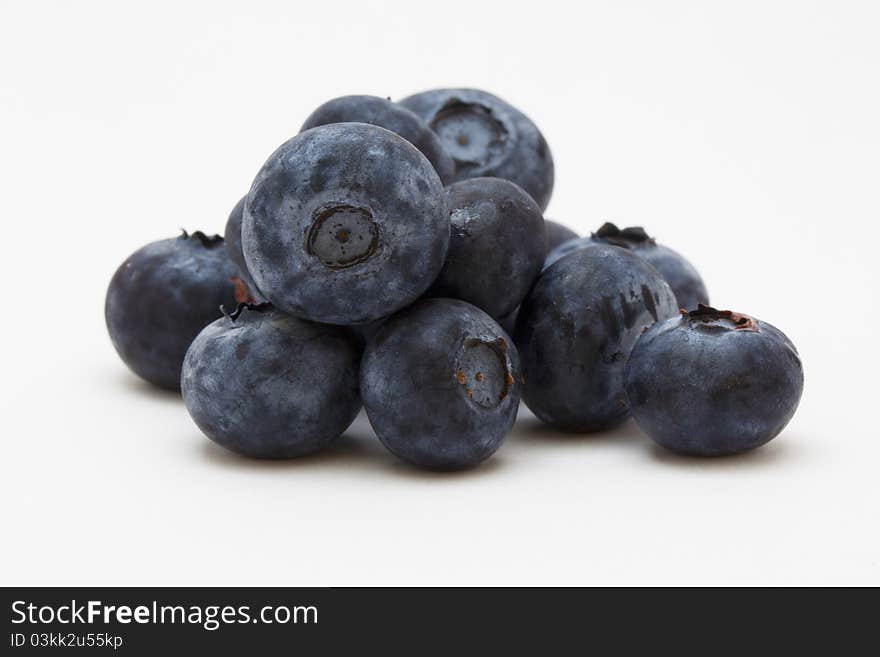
point(395, 256)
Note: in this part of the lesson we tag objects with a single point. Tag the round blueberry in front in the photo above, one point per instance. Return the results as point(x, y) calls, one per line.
point(268, 385)
point(441, 384)
point(345, 223)
point(162, 296)
point(683, 278)
point(575, 330)
point(497, 245)
point(713, 382)
point(391, 116)
point(488, 137)
point(342, 236)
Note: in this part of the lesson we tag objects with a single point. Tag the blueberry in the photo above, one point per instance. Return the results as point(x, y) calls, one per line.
point(366, 331)
point(508, 321)
point(681, 275)
point(161, 297)
point(344, 224)
point(388, 115)
point(558, 234)
point(713, 382)
point(247, 289)
point(488, 137)
point(575, 331)
point(441, 384)
point(497, 245)
point(268, 385)
point(569, 246)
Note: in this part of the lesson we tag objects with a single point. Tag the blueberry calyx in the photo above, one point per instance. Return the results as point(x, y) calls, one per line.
point(475, 136)
point(708, 318)
point(626, 238)
point(342, 236)
point(484, 371)
point(208, 241)
point(262, 307)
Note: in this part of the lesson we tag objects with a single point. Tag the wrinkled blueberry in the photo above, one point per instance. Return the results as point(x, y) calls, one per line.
point(268, 385)
point(344, 224)
point(161, 297)
point(441, 384)
point(388, 115)
point(576, 328)
point(247, 289)
point(558, 234)
point(497, 245)
point(681, 275)
point(488, 137)
point(713, 382)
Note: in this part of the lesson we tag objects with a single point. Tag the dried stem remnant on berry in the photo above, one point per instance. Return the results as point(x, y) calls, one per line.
point(706, 315)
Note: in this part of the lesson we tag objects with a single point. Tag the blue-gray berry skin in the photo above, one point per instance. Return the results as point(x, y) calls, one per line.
point(391, 116)
point(497, 246)
point(682, 276)
point(569, 246)
point(441, 384)
point(247, 291)
point(488, 137)
point(161, 297)
point(508, 322)
point(367, 331)
point(558, 234)
point(711, 382)
point(268, 385)
point(575, 331)
point(344, 224)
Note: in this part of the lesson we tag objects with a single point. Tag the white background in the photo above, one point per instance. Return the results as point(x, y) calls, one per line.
point(746, 135)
